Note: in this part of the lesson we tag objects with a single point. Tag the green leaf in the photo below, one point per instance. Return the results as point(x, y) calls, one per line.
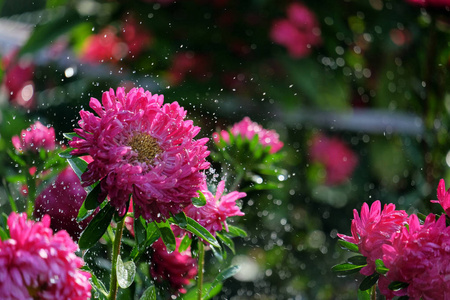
point(201, 232)
point(192, 293)
point(3, 234)
point(346, 269)
point(200, 200)
point(96, 228)
point(66, 153)
point(97, 284)
point(364, 295)
point(167, 236)
point(185, 243)
point(219, 254)
point(227, 241)
point(358, 260)
point(140, 232)
point(149, 293)
point(236, 231)
point(397, 285)
point(78, 165)
point(348, 246)
point(180, 220)
point(91, 202)
point(227, 273)
point(125, 272)
point(421, 217)
point(16, 158)
point(369, 281)
point(46, 33)
point(70, 135)
point(380, 267)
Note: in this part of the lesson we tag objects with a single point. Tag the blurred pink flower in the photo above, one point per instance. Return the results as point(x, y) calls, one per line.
point(217, 209)
point(135, 37)
point(443, 197)
point(142, 148)
point(34, 138)
point(373, 229)
point(104, 46)
point(35, 264)
point(435, 3)
point(339, 160)
point(188, 64)
point(18, 80)
point(299, 32)
point(247, 129)
point(62, 200)
point(175, 268)
point(419, 256)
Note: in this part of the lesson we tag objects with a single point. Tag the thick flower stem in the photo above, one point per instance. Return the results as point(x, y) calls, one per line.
point(373, 294)
point(201, 259)
point(31, 185)
point(116, 250)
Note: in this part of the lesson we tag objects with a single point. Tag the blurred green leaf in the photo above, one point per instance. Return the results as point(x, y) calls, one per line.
point(47, 33)
point(227, 273)
point(369, 281)
point(236, 231)
point(192, 293)
point(97, 284)
point(125, 272)
point(96, 228)
point(364, 295)
point(227, 241)
point(149, 293)
point(16, 158)
point(358, 260)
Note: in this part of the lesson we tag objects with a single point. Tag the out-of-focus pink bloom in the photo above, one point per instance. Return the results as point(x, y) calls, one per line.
point(435, 3)
point(373, 229)
point(299, 32)
point(37, 264)
point(104, 46)
point(247, 129)
point(135, 36)
point(144, 148)
point(61, 201)
point(443, 197)
point(188, 64)
point(34, 138)
point(175, 268)
point(339, 160)
point(18, 80)
point(418, 256)
point(217, 208)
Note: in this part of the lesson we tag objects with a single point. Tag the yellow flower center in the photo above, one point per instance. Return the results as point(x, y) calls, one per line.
point(146, 147)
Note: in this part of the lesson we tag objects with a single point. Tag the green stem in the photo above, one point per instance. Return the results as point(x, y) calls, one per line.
point(201, 259)
point(31, 184)
point(113, 287)
point(373, 294)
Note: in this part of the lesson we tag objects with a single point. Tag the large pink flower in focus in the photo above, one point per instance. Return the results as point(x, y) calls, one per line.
point(62, 200)
point(175, 268)
point(142, 148)
point(247, 129)
point(419, 256)
point(339, 160)
point(34, 138)
point(217, 209)
point(299, 32)
point(35, 264)
point(443, 197)
point(373, 229)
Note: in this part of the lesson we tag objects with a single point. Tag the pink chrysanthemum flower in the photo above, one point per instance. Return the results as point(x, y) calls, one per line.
point(142, 148)
point(339, 160)
point(175, 268)
point(217, 208)
point(373, 229)
point(34, 138)
point(247, 129)
point(419, 256)
point(299, 32)
point(35, 264)
point(62, 200)
point(443, 197)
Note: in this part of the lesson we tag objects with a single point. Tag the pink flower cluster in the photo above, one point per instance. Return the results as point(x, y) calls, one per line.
point(144, 148)
point(35, 264)
point(188, 63)
point(217, 209)
point(109, 45)
point(62, 200)
point(248, 129)
point(34, 138)
point(339, 160)
point(175, 268)
point(299, 32)
point(372, 229)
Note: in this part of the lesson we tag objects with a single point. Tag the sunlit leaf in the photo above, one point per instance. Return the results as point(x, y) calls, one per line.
point(96, 228)
point(380, 267)
point(201, 232)
point(192, 293)
point(185, 243)
point(200, 200)
point(78, 165)
point(149, 293)
point(364, 295)
point(125, 273)
point(66, 153)
point(227, 241)
point(70, 135)
point(348, 246)
point(346, 269)
point(236, 231)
